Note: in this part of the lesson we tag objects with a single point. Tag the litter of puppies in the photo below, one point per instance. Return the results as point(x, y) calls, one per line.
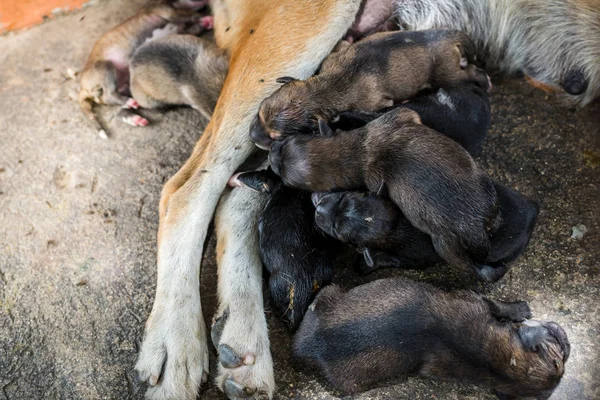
point(375, 151)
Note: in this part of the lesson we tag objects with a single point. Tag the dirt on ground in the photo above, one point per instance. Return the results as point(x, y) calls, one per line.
point(78, 222)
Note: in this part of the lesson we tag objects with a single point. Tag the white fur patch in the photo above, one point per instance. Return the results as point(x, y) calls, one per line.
point(443, 98)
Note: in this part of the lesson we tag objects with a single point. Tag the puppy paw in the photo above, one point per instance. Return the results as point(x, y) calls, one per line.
point(135, 120)
point(174, 356)
point(131, 103)
point(245, 368)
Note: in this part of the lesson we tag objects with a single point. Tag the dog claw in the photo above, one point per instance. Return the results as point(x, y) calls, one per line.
point(217, 328)
point(228, 358)
point(234, 390)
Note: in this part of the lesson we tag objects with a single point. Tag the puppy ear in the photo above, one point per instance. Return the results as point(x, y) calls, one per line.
point(324, 129)
point(260, 181)
point(285, 80)
point(383, 190)
point(409, 116)
point(368, 258)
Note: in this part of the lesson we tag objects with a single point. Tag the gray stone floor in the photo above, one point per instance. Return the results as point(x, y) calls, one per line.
point(78, 218)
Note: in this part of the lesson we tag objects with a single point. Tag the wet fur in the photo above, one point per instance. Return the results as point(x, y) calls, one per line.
point(395, 327)
point(558, 46)
point(430, 177)
point(369, 75)
point(178, 70)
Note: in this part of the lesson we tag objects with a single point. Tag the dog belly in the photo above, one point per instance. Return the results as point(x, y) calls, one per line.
point(372, 15)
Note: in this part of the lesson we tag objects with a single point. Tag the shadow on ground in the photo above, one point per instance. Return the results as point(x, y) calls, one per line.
point(78, 219)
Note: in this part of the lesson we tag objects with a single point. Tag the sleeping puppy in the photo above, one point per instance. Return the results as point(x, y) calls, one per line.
point(387, 239)
point(178, 70)
point(394, 327)
point(460, 112)
point(430, 177)
point(105, 76)
point(296, 254)
point(372, 74)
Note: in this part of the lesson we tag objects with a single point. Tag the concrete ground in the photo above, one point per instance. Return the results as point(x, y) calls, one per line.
point(78, 219)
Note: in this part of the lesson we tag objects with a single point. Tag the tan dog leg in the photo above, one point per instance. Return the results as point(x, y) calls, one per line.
point(240, 329)
point(267, 40)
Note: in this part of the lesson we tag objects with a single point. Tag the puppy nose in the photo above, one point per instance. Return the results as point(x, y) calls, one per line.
point(326, 204)
point(259, 135)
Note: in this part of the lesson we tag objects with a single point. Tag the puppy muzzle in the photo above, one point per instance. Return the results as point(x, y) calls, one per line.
point(259, 135)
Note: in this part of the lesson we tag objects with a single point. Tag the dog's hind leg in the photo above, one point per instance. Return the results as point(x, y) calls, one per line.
point(240, 329)
point(268, 39)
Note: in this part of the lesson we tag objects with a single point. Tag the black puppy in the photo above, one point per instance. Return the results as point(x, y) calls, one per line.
point(460, 112)
point(394, 327)
point(431, 178)
point(294, 251)
point(387, 239)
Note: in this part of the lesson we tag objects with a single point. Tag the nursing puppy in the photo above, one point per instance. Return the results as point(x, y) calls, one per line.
point(460, 112)
point(369, 75)
point(558, 47)
point(430, 177)
point(178, 70)
point(394, 327)
point(105, 76)
point(296, 254)
point(377, 227)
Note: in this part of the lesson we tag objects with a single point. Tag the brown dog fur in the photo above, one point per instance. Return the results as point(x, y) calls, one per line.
point(374, 73)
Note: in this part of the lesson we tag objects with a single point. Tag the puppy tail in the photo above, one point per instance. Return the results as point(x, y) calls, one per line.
point(86, 106)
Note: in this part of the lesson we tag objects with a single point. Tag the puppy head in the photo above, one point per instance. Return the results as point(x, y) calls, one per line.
point(355, 217)
point(286, 112)
point(536, 363)
point(264, 181)
point(290, 160)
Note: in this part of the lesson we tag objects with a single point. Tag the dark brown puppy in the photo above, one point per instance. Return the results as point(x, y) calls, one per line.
point(296, 253)
point(387, 239)
point(369, 75)
point(394, 327)
point(430, 177)
point(460, 112)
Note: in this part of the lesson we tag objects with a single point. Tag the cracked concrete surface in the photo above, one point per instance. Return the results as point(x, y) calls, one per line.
point(78, 219)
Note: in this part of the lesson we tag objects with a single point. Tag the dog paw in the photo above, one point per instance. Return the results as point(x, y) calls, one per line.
point(174, 356)
point(135, 120)
point(132, 103)
point(245, 367)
